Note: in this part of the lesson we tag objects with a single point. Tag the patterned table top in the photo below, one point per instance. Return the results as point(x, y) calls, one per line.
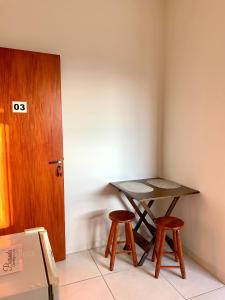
point(152, 188)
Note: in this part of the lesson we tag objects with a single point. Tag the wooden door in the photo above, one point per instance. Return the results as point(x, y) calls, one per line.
point(31, 189)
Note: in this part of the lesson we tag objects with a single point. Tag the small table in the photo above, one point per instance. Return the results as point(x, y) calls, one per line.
point(146, 192)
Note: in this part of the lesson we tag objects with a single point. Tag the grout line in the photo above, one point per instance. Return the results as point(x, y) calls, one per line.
point(173, 286)
point(108, 288)
point(116, 272)
point(79, 281)
point(95, 262)
point(102, 275)
point(193, 297)
point(222, 287)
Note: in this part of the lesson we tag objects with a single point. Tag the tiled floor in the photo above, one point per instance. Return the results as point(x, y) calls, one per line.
point(85, 275)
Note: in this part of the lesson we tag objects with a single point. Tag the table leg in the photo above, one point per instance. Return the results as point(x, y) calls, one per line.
point(150, 227)
point(136, 208)
point(139, 239)
point(146, 253)
point(172, 205)
point(168, 239)
point(147, 209)
point(144, 214)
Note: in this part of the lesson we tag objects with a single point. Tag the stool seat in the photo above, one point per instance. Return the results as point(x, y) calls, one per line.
point(169, 223)
point(121, 216)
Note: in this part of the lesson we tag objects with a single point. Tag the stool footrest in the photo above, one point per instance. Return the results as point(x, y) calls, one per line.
point(122, 251)
point(169, 267)
point(166, 252)
point(169, 252)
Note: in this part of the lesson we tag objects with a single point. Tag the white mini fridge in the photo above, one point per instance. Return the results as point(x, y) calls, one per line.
point(27, 267)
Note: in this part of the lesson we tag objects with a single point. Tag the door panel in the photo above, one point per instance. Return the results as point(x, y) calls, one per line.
point(34, 139)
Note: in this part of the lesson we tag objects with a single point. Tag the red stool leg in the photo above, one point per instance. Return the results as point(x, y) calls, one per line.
point(160, 252)
point(157, 241)
point(180, 254)
point(110, 239)
point(175, 245)
point(128, 242)
point(132, 244)
point(114, 247)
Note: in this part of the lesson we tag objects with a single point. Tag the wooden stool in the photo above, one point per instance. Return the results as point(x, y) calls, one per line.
point(126, 217)
point(163, 224)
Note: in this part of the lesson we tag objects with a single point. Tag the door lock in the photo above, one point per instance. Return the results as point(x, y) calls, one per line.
point(59, 170)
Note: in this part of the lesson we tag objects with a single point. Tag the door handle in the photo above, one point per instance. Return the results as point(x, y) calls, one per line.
point(59, 161)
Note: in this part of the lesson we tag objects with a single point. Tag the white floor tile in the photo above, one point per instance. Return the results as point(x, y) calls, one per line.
point(123, 261)
point(139, 283)
point(78, 266)
point(127, 282)
point(198, 280)
point(215, 295)
point(94, 289)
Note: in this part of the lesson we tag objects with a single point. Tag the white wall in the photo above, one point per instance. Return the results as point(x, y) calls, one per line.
point(111, 53)
point(194, 122)
point(112, 86)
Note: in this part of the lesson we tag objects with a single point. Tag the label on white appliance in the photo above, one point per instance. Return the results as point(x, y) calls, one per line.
point(11, 259)
point(19, 106)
